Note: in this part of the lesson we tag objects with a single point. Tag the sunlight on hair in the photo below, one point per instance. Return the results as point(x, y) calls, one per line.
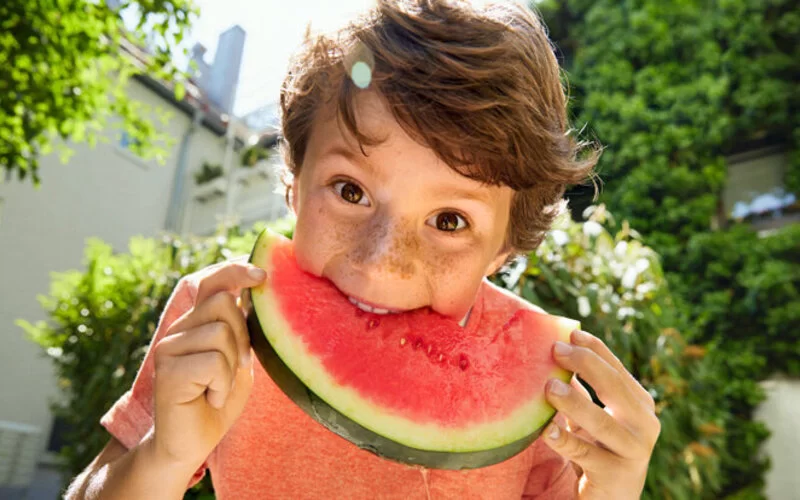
point(361, 74)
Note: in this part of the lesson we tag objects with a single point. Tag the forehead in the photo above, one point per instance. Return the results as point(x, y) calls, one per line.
point(390, 143)
point(397, 159)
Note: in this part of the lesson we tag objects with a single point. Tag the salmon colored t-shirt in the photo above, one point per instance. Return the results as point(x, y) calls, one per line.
point(274, 450)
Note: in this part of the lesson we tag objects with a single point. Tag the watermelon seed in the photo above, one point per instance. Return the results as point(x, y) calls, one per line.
point(417, 343)
point(463, 362)
point(430, 347)
point(441, 357)
point(403, 341)
point(373, 323)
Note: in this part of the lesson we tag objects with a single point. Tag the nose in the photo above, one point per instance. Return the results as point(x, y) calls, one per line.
point(388, 248)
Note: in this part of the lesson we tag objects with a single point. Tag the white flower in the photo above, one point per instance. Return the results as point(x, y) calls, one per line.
point(645, 288)
point(621, 249)
point(629, 278)
point(592, 228)
point(624, 312)
point(584, 308)
point(560, 237)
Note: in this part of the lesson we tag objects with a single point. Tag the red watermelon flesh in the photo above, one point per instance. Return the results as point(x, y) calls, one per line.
point(417, 378)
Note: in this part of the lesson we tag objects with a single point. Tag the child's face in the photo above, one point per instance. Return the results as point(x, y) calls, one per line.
point(397, 229)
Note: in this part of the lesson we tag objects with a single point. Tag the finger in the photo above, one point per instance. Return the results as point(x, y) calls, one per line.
point(571, 425)
point(600, 425)
point(216, 336)
point(240, 392)
point(585, 339)
point(607, 382)
point(245, 301)
point(578, 386)
point(199, 373)
point(581, 452)
point(229, 277)
point(219, 307)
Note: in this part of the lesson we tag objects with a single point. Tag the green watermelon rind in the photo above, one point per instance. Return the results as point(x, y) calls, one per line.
point(488, 441)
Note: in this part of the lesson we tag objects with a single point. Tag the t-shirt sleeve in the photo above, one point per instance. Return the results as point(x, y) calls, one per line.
point(552, 477)
point(130, 419)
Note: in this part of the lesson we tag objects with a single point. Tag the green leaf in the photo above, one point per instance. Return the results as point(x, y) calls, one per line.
point(180, 91)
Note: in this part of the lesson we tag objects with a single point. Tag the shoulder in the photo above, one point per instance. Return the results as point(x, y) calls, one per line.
point(496, 297)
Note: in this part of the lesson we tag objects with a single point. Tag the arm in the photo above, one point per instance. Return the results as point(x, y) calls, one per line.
point(187, 378)
point(120, 473)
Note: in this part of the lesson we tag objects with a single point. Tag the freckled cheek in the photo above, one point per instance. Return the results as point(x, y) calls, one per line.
point(454, 280)
point(320, 236)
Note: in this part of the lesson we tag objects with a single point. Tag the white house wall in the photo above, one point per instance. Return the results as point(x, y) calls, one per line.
point(255, 198)
point(103, 192)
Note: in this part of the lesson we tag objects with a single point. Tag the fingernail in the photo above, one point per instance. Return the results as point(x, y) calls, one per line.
point(563, 349)
point(558, 387)
point(554, 432)
point(257, 273)
point(580, 337)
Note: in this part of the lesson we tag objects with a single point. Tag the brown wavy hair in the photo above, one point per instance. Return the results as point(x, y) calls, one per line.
point(480, 85)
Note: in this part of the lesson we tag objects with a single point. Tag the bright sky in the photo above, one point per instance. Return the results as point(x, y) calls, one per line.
point(274, 31)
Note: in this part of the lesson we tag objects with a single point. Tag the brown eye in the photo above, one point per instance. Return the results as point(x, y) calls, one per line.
point(351, 193)
point(449, 222)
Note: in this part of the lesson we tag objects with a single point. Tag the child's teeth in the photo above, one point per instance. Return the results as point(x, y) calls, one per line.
point(365, 307)
point(361, 306)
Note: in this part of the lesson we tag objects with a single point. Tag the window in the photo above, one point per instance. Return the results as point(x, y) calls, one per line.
point(123, 148)
point(126, 141)
point(755, 190)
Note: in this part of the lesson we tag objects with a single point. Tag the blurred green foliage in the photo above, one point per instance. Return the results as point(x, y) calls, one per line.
point(208, 172)
point(64, 74)
point(101, 321)
point(602, 274)
point(672, 88)
point(254, 154)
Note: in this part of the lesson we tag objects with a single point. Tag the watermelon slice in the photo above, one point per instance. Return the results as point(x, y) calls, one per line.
point(414, 387)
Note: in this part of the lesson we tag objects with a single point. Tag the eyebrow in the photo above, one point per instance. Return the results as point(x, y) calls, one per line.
point(356, 158)
point(359, 159)
point(468, 194)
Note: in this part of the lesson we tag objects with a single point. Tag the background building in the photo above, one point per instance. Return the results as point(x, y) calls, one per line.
point(109, 193)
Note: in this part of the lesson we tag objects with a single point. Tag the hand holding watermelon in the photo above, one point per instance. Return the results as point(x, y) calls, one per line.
point(203, 369)
point(610, 446)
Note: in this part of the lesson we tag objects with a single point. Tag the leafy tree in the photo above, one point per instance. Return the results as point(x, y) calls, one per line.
point(671, 88)
point(63, 73)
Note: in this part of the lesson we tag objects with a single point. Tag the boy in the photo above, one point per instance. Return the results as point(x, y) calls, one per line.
point(426, 144)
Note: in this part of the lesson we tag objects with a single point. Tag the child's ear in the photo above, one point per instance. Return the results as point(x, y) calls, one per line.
point(293, 196)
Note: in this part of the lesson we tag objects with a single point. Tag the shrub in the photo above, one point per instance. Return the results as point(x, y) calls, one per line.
point(615, 285)
point(741, 293)
point(101, 321)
